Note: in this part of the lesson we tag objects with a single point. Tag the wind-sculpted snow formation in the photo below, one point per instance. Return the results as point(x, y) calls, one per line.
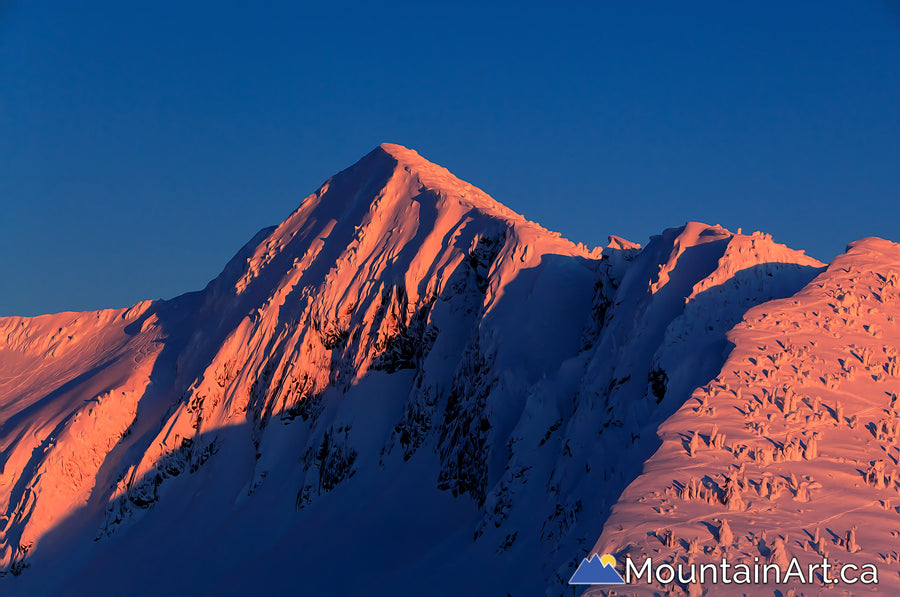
point(793, 444)
point(407, 385)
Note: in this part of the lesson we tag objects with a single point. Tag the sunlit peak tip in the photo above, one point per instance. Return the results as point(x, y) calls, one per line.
point(397, 150)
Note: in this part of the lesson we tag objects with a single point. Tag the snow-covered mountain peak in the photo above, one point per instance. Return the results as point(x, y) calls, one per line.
point(409, 158)
point(393, 203)
point(415, 173)
point(432, 176)
point(872, 245)
point(486, 387)
point(743, 253)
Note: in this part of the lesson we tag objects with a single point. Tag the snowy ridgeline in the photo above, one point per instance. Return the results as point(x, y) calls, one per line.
point(408, 378)
point(791, 451)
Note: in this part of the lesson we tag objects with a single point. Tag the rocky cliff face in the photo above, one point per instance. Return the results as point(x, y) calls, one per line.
point(403, 377)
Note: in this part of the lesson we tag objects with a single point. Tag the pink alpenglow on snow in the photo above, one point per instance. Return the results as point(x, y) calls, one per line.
point(407, 365)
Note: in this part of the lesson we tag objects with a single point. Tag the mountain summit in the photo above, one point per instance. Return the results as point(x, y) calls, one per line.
point(403, 364)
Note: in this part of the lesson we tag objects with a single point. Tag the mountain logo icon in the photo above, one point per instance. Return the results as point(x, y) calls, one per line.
point(597, 570)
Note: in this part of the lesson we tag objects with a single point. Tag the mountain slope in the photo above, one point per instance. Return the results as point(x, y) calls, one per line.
point(793, 443)
point(404, 374)
point(370, 307)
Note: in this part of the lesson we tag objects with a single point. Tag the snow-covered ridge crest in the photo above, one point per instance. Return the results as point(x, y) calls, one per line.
point(790, 450)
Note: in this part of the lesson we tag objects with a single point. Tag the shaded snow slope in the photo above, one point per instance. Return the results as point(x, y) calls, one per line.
point(404, 374)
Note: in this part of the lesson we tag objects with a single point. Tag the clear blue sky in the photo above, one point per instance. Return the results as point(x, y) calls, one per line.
point(141, 144)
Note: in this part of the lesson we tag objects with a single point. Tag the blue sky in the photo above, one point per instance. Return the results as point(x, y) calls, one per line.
point(141, 144)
